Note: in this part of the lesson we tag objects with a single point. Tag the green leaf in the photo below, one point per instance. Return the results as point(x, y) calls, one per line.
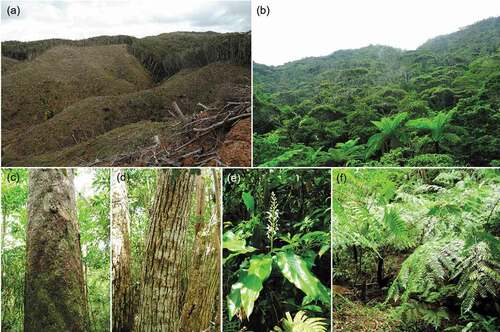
point(249, 201)
point(323, 249)
point(245, 292)
point(313, 308)
point(295, 270)
point(394, 222)
point(233, 242)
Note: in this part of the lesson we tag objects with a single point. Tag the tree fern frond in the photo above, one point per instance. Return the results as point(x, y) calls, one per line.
point(478, 273)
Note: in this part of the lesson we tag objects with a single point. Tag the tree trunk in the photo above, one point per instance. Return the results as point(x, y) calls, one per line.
point(380, 272)
point(121, 258)
point(159, 305)
point(201, 303)
point(55, 298)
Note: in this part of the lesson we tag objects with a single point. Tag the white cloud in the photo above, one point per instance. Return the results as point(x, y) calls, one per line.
point(297, 29)
point(83, 19)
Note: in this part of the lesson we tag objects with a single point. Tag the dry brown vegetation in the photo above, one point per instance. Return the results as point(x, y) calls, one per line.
point(98, 105)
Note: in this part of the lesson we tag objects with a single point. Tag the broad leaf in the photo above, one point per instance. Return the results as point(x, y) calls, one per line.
point(249, 201)
point(323, 249)
point(233, 242)
point(245, 292)
point(296, 270)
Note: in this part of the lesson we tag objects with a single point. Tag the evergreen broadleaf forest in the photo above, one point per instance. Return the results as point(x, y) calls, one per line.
point(437, 105)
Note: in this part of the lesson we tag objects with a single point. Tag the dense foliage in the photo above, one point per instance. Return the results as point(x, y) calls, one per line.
point(416, 250)
point(276, 250)
point(163, 55)
point(166, 54)
point(93, 216)
point(141, 186)
point(434, 106)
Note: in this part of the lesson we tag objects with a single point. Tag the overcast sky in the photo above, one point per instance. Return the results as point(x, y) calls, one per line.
point(297, 29)
point(83, 19)
point(83, 182)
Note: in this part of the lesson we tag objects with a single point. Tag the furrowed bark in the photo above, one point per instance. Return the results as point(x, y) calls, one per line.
point(55, 297)
point(201, 303)
point(121, 257)
point(159, 304)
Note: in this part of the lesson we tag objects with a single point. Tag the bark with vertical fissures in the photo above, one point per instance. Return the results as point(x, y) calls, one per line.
point(160, 294)
point(120, 245)
point(201, 306)
point(55, 298)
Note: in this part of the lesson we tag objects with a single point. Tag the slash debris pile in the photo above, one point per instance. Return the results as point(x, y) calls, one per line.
point(197, 139)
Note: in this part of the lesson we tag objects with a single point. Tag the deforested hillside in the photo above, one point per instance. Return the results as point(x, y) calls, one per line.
point(39, 89)
point(8, 64)
point(166, 100)
point(437, 105)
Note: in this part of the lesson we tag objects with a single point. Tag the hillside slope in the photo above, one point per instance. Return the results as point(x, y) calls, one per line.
point(8, 64)
point(380, 106)
point(39, 89)
point(70, 103)
point(95, 116)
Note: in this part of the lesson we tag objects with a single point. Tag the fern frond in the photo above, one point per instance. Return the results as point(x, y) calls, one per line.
point(426, 269)
point(479, 275)
point(301, 323)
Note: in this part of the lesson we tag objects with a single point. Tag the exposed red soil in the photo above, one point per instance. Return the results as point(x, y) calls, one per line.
point(235, 151)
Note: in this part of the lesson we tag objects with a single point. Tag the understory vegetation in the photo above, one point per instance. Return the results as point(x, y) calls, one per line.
point(276, 244)
point(92, 209)
point(416, 250)
point(380, 106)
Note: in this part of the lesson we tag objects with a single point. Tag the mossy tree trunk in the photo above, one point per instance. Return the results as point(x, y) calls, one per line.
point(121, 262)
point(55, 297)
point(201, 302)
point(160, 295)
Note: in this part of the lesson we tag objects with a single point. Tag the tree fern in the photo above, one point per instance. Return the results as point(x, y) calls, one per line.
point(479, 275)
point(396, 229)
point(426, 269)
point(389, 129)
point(437, 126)
point(415, 312)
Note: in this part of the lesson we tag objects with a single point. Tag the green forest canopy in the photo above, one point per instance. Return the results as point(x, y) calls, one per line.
point(381, 106)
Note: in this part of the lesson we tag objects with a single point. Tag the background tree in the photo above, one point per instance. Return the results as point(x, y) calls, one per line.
point(120, 245)
point(202, 294)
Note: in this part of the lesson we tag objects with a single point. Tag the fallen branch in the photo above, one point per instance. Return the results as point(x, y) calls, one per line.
point(177, 110)
point(218, 124)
